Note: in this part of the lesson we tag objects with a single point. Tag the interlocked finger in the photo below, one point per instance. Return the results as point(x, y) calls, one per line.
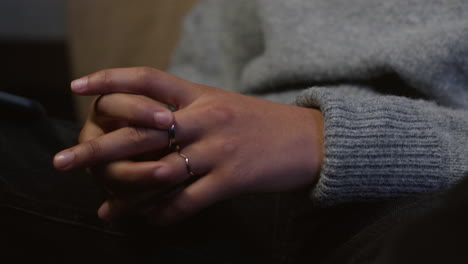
point(117, 145)
point(129, 177)
point(179, 166)
point(170, 173)
point(153, 83)
point(133, 109)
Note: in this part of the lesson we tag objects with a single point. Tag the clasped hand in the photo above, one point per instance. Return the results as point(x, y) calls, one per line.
point(236, 144)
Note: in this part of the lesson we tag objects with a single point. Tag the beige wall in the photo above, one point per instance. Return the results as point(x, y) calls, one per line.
point(121, 33)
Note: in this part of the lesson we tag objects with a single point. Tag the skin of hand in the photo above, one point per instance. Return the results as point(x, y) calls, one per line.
point(236, 144)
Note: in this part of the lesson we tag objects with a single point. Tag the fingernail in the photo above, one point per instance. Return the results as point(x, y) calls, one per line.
point(79, 84)
point(163, 118)
point(104, 212)
point(64, 159)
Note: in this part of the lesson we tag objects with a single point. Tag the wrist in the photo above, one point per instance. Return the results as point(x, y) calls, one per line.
point(310, 146)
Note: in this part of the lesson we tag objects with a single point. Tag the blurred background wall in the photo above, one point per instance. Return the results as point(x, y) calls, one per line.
point(121, 33)
point(32, 19)
point(45, 44)
point(33, 53)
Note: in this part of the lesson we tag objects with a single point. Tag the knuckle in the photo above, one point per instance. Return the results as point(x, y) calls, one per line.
point(146, 74)
point(230, 146)
point(226, 146)
point(105, 80)
point(220, 112)
point(167, 174)
point(136, 134)
point(92, 149)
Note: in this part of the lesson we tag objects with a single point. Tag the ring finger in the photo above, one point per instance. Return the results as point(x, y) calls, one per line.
point(123, 143)
point(133, 109)
point(151, 182)
point(131, 177)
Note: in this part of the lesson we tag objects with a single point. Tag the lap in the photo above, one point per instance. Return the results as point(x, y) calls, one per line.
point(58, 209)
point(52, 215)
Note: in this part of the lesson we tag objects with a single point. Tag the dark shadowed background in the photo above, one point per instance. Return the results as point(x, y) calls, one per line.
point(45, 44)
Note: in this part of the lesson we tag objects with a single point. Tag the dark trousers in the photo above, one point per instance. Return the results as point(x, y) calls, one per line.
point(49, 215)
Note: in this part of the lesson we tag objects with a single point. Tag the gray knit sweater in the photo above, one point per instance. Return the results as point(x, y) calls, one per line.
point(390, 77)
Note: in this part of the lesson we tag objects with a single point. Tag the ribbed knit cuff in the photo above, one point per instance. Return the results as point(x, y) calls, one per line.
point(376, 147)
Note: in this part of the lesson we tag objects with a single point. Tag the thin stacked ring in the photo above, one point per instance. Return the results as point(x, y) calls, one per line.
point(172, 146)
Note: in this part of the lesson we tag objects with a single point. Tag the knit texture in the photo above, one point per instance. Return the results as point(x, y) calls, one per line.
point(390, 77)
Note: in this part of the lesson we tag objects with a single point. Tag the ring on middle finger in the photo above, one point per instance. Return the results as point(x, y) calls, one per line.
point(172, 144)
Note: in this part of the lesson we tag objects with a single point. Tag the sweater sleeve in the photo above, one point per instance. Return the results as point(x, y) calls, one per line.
point(382, 147)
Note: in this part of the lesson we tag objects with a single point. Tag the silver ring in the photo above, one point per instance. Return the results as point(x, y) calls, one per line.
point(187, 162)
point(171, 133)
